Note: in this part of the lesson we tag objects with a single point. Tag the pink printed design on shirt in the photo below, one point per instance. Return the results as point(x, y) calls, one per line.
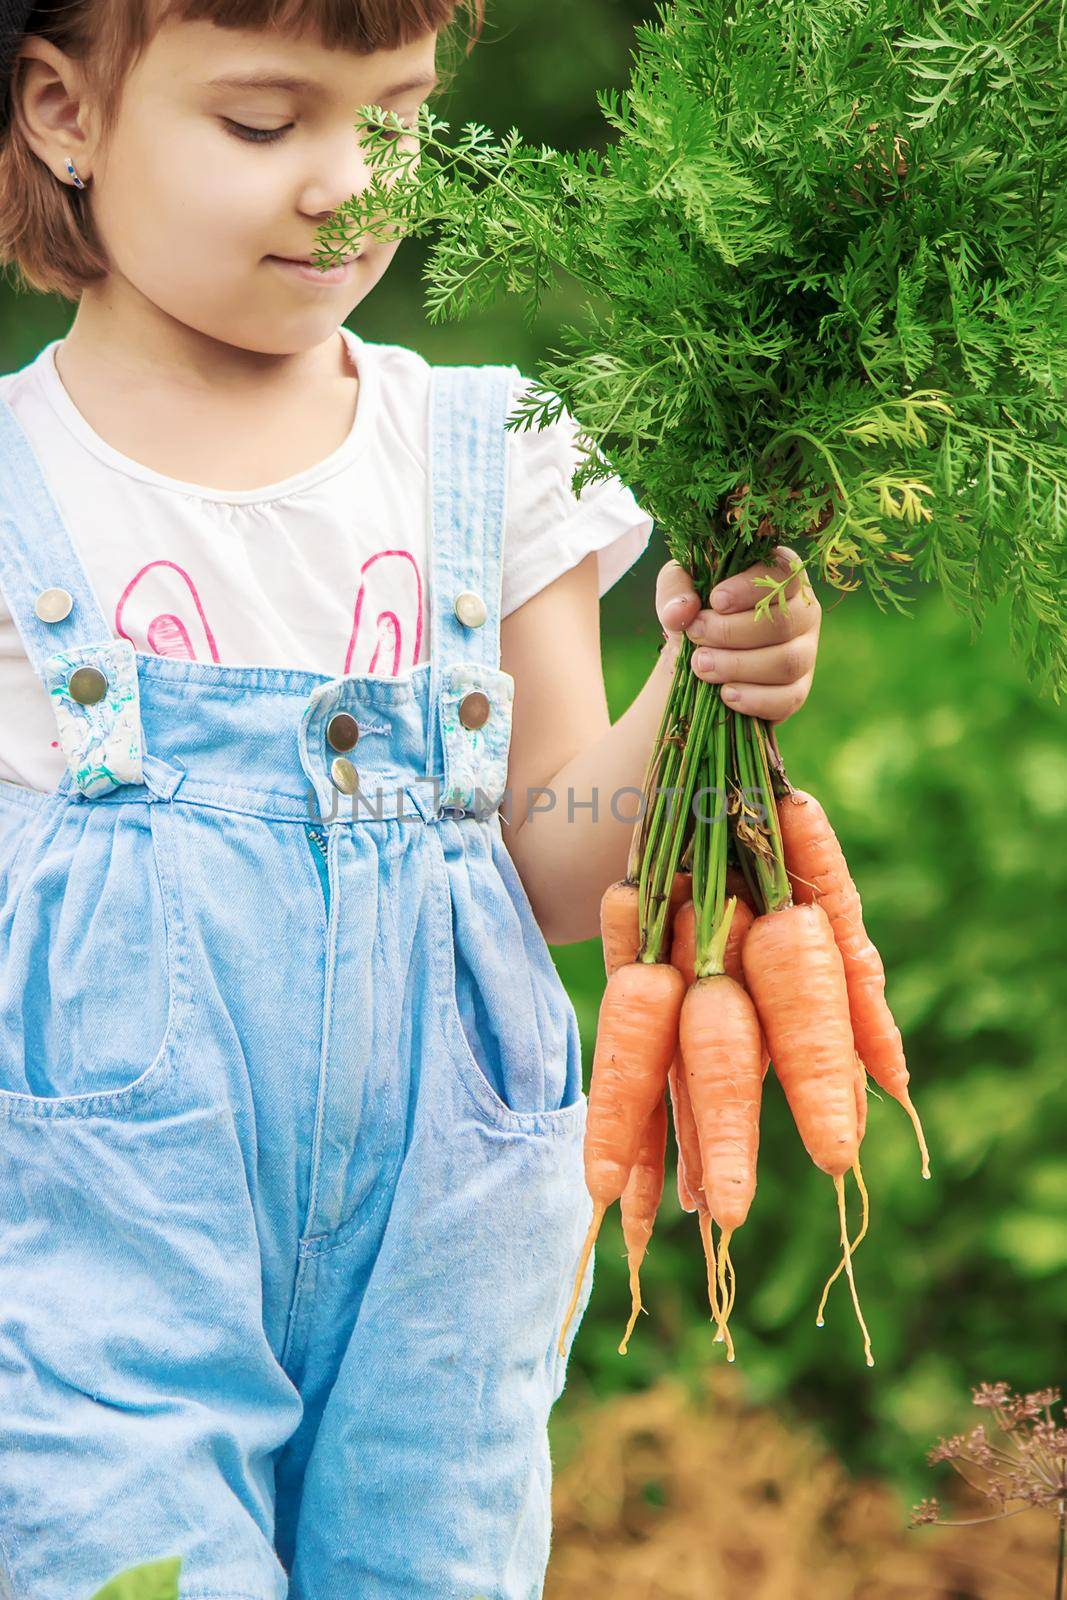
point(394, 575)
point(164, 632)
point(388, 623)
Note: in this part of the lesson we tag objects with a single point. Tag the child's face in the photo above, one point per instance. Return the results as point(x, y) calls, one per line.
point(192, 212)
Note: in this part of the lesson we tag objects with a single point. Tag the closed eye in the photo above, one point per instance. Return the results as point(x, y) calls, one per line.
point(256, 135)
point(272, 135)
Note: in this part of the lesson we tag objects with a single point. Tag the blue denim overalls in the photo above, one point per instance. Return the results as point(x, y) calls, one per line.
point(291, 1109)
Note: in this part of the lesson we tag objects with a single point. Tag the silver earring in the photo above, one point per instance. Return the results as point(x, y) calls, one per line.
point(72, 169)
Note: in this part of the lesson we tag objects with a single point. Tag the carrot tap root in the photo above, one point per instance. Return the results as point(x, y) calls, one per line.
point(730, 1270)
point(599, 1209)
point(708, 1241)
point(639, 1203)
point(906, 1102)
point(839, 1185)
point(636, 1307)
point(726, 1297)
point(856, 1241)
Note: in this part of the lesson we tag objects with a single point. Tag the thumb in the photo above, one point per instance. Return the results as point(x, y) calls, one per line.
point(677, 601)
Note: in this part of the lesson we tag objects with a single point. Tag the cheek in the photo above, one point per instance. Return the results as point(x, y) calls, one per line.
point(184, 210)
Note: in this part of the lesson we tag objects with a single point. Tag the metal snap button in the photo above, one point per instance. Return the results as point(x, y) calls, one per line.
point(342, 731)
point(470, 609)
point(53, 605)
point(87, 685)
point(344, 776)
point(474, 709)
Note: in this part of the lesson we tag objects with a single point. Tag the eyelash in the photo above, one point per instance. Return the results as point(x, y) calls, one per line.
point(272, 135)
point(255, 135)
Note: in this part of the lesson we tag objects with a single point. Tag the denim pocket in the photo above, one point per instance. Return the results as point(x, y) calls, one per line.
point(513, 1026)
point(92, 990)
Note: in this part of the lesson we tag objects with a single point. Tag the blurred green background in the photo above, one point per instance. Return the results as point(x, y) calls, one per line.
point(945, 775)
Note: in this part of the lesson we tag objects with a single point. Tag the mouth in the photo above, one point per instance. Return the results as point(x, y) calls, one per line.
point(302, 267)
point(309, 261)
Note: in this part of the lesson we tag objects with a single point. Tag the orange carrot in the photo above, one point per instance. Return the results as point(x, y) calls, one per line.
point(737, 886)
point(639, 1204)
point(619, 931)
point(722, 1049)
point(861, 1099)
point(819, 875)
point(621, 940)
point(683, 947)
point(681, 891)
point(620, 908)
point(637, 1034)
point(796, 975)
point(689, 1175)
point(682, 944)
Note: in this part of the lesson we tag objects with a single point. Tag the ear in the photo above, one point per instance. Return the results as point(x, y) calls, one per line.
point(387, 621)
point(160, 612)
point(49, 104)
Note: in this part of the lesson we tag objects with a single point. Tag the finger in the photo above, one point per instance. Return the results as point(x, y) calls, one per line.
point(744, 631)
point(741, 592)
point(778, 664)
point(677, 601)
point(772, 704)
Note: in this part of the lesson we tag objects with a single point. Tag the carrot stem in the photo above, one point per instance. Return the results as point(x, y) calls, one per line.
point(716, 963)
point(662, 849)
point(747, 825)
point(753, 733)
point(709, 884)
point(660, 748)
point(665, 833)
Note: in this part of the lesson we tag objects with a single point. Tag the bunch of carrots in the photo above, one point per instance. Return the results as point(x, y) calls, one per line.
point(736, 941)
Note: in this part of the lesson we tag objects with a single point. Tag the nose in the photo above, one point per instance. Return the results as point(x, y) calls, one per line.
point(341, 171)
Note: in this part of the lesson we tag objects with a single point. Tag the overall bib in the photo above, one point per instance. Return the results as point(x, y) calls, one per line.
point(291, 1108)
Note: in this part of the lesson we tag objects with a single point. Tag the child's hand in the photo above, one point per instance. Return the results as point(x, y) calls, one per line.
point(765, 667)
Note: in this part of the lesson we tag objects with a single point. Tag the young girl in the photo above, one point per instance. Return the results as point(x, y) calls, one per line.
point(291, 1181)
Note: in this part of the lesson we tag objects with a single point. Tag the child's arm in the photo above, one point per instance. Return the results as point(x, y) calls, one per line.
point(564, 743)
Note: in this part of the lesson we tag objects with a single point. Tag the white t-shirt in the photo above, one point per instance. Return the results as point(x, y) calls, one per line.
point(326, 571)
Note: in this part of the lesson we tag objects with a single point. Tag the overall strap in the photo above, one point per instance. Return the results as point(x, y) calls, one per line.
point(90, 675)
point(468, 482)
point(38, 556)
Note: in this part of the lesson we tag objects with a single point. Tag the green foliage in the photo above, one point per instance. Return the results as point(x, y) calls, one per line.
point(823, 257)
point(158, 1580)
point(945, 775)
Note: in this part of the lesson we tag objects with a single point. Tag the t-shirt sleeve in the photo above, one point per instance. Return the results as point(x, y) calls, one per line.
point(548, 529)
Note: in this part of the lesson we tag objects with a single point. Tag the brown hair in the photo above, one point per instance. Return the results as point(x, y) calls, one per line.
point(46, 227)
